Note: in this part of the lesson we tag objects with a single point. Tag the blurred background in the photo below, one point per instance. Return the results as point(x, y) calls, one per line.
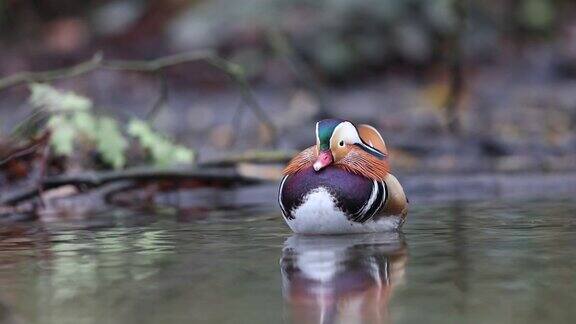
point(453, 86)
point(476, 100)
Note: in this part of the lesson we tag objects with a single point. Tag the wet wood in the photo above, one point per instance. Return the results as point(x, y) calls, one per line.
point(88, 180)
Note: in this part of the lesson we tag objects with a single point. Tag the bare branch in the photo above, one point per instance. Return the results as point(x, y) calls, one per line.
point(42, 173)
point(234, 71)
point(456, 87)
point(282, 46)
point(47, 76)
point(162, 100)
point(160, 63)
point(97, 179)
point(29, 148)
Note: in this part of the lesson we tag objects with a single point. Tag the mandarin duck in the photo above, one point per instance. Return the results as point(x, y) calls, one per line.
point(342, 184)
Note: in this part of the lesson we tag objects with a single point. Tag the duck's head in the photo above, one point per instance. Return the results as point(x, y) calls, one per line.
point(337, 138)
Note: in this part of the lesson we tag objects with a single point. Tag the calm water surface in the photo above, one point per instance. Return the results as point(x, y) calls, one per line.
point(457, 263)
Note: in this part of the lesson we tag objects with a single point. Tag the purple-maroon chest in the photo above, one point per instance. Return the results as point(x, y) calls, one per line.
point(350, 191)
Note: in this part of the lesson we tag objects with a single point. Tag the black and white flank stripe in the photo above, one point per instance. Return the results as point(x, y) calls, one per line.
point(377, 199)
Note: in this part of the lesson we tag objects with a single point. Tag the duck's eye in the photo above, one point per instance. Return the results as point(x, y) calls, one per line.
point(341, 143)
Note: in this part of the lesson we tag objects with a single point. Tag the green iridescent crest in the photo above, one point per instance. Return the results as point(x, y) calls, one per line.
point(325, 129)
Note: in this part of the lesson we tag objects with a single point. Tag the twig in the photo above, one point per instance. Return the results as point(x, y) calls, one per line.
point(47, 76)
point(42, 172)
point(160, 63)
point(20, 153)
point(156, 65)
point(162, 98)
point(237, 75)
point(26, 150)
point(30, 124)
point(456, 70)
point(237, 121)
point(281, 45)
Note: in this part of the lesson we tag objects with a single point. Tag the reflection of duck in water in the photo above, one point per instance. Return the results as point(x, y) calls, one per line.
point(346, 279)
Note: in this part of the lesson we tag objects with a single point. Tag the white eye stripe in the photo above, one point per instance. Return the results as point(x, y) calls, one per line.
point(346, 132)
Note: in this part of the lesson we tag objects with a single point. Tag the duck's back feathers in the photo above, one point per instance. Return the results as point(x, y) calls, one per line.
point(397, 202)
point(372, 137)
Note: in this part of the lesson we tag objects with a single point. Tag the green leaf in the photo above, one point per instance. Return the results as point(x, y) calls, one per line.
point(183, 155)
point(110, 142)
point(162, 151)
point(70, 118)
point(141, 130)
point(84, 122)
point(62, 135)
point(46, 97)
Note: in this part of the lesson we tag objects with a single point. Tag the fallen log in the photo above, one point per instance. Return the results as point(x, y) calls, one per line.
point(93, 179)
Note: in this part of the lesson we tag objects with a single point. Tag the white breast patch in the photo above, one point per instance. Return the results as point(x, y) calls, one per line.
point(318, 214)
